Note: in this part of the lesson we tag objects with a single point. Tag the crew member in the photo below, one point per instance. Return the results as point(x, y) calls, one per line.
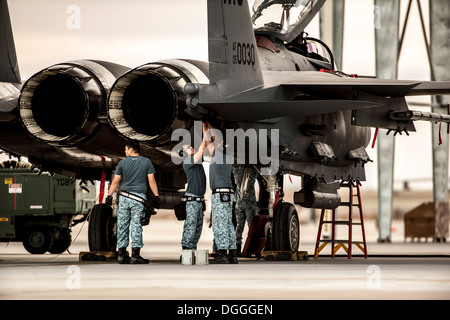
point(222, 200)
point(195, 191)
point(136, 172)
point(246, 205)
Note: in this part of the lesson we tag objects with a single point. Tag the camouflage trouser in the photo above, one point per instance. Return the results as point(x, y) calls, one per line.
point(222, 223)
point(129, 214)
point(246, 205)
point(192, 228)
point(245, 211)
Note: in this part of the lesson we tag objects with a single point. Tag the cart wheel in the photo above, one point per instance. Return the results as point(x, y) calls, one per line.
point(38, 240)
point(61, 240)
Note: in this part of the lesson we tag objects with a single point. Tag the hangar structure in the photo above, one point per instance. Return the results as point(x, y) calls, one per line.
point(388, 36)
point(112, 104)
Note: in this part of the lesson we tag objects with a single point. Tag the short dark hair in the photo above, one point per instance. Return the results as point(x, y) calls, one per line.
point(133, 144)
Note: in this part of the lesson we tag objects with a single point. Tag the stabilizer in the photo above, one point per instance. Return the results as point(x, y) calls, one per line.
point(233, 54)
point(9, 68)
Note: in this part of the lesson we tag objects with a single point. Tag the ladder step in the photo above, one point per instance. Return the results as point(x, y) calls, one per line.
point(342, 222)
point(343, 241)
point(335, 222)
point(336, 241)
point(348, 204)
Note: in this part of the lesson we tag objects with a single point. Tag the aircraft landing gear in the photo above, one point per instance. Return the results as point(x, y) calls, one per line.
point(102, 231)
point(283, 230)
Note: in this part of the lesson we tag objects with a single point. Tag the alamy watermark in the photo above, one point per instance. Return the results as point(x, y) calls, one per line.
point(251, 146)
point(374, 278)
point(73, 281)
point(73, 21)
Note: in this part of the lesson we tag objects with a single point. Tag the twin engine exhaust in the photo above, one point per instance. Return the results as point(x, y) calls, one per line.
point(67, 104)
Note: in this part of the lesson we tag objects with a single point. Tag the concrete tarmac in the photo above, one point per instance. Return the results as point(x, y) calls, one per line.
point(396, 270)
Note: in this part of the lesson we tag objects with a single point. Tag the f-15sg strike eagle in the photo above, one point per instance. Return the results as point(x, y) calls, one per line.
point(263, 73)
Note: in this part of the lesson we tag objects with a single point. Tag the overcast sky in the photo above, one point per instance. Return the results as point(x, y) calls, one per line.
point(134, 32)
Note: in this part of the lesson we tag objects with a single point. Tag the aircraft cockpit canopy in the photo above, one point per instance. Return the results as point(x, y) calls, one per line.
point(285, 19)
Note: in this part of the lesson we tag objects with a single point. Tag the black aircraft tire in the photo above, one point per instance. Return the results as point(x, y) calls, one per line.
point(102, 232)
point(285, 228)
point(37, 239)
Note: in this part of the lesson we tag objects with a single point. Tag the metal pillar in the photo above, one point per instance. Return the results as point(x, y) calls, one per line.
point(438, 50)
point(332, 28)
point(439, 53)
point(386, 46)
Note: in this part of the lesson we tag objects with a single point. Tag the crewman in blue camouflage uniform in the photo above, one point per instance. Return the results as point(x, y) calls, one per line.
point(195, 191)
point(221, 202)
point(133, 174)
point(246, 205)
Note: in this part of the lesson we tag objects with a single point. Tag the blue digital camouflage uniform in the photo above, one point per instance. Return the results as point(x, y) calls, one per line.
point(221, 211)
point(193, 225)
point(246, 206)
point(129, 217)
point(134, 171)
point(222, 223)
point(196, 187)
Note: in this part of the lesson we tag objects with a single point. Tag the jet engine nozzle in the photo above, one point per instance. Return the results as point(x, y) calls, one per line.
point(147, 103)
point(61, 104)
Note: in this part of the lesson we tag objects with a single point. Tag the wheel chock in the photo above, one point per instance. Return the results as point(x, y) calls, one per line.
point(285, 255)
point(98, 256)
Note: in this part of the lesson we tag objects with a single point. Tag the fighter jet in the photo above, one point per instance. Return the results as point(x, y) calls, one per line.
point(264, 75)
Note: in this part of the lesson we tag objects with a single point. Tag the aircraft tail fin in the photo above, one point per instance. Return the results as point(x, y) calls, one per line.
point(9, 67)
point(233, 54)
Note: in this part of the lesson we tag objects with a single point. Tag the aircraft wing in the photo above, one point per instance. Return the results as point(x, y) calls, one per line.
point(249, 111)
point(322, 84)
point(310, 93)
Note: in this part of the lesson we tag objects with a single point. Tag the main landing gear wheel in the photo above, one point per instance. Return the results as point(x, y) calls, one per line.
point(285, 228)
point(102, 233)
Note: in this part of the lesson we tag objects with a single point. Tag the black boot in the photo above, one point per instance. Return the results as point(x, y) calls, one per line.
point(123, 257)
point(221, 258)
point(232, 256)
point(136, 258)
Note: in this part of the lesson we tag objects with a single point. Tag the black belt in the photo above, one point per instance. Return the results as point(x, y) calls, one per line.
point(223, 190)
point(189, 198)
